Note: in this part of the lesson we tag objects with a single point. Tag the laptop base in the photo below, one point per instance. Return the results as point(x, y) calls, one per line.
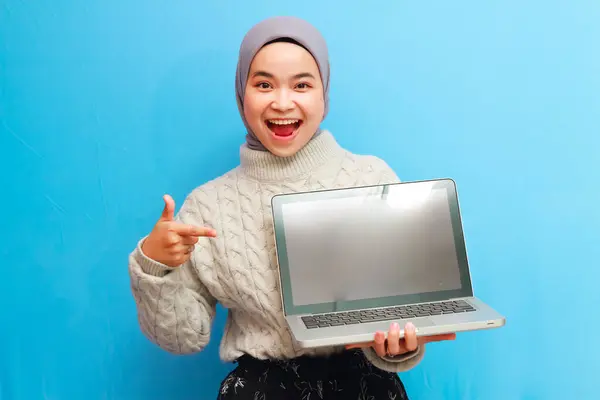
point(343, 333)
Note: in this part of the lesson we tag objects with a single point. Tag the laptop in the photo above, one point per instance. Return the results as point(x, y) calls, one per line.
point(354, 260)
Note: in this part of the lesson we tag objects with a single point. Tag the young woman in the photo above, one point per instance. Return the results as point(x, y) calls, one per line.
point(220, 247)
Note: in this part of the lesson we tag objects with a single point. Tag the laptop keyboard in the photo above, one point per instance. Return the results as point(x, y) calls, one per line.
point(385, 314)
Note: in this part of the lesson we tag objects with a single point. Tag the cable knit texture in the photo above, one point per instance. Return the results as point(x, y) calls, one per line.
point(238, 268)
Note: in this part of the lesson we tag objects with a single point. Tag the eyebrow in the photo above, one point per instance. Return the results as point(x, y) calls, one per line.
point(297, 76)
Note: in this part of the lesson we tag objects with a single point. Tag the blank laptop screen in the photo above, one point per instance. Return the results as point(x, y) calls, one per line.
point(371, 246)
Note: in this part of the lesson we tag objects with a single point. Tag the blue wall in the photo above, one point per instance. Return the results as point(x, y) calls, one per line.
point(106, 105)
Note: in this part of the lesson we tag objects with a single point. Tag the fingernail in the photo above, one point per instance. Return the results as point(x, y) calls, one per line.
point(395, 326)
point(410, 326)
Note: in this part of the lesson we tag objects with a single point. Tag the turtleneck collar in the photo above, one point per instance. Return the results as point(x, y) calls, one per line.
point(263, 165)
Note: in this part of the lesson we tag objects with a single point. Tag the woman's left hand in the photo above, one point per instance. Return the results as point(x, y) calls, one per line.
point(395, 346)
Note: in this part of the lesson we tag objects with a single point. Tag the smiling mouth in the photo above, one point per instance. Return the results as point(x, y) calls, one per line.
point(283, 127)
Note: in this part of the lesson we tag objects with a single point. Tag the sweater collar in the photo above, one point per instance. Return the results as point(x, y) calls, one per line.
point(263, 165)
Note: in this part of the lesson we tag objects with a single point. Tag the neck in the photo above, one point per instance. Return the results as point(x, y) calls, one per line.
point(263, 165)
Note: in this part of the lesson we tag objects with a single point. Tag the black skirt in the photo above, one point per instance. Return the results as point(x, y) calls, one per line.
point(348, 375)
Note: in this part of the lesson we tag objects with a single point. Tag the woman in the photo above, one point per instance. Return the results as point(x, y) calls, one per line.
point(220, 248)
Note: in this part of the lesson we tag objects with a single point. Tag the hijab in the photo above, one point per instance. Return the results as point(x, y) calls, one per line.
point(272, 30)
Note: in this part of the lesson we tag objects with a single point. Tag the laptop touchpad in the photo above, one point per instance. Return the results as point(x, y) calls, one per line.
point(422, 322)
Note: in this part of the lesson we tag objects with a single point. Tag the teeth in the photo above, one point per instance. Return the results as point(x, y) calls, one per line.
point(283, 121)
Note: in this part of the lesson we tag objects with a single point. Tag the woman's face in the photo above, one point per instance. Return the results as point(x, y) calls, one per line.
point(283, 103)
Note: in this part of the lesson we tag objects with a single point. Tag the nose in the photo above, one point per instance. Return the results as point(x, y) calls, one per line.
point(283, 101)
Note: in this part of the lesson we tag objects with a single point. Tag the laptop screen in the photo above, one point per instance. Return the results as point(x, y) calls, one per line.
point(374, 246)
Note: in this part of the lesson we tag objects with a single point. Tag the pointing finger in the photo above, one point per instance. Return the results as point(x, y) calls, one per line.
point(191, 230)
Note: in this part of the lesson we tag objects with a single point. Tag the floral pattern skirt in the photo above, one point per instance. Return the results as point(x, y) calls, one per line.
point(348, 375)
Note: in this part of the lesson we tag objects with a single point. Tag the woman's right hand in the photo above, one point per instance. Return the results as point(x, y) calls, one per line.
point(170, 242)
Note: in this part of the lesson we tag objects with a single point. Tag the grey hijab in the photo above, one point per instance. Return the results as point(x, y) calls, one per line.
point(270, 30)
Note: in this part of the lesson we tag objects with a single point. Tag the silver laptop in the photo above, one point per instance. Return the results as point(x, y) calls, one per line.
point(354, 260)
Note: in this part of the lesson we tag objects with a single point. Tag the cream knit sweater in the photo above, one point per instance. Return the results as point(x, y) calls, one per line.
point(238, 268)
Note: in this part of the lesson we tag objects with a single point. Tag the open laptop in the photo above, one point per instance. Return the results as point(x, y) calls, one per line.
point(354, 260)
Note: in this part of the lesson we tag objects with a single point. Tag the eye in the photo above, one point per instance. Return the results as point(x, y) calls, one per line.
point(263, 85)
point(303, 86)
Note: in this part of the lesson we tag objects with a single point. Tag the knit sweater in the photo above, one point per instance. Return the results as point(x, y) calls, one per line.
point(238, 268)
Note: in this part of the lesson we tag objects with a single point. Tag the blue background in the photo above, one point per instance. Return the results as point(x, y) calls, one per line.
point(106, 105)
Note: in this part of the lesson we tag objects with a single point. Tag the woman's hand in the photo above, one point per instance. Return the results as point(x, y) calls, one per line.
point(170, 242)
point(395, 346)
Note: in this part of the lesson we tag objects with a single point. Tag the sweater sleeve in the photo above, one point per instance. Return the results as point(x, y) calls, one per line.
point(175, 309)
point(385, 173)
point(404, 362)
